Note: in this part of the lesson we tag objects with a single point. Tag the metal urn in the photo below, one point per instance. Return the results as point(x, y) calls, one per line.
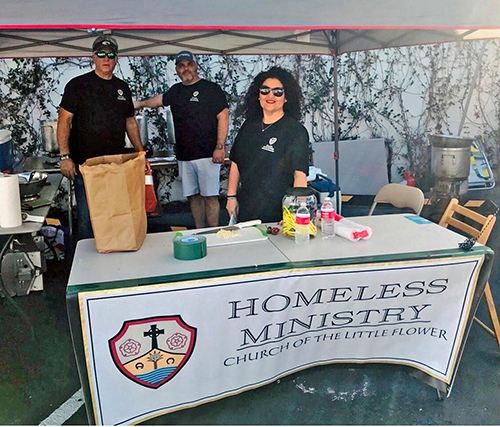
point(450, 163)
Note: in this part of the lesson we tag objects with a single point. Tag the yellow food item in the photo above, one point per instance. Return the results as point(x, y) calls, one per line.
point(289, 224)
point(227, 234)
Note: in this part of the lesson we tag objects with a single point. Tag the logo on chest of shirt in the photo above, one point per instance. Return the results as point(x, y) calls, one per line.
point(194, 98)
point(120, 95)
point(269, 146)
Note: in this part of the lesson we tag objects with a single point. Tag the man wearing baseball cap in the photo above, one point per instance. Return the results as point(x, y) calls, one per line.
point(105, 43)
point(201, 119)
point(96, 111)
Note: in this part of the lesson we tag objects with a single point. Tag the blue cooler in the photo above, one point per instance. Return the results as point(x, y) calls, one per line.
point(325, 187)
point(5, 151)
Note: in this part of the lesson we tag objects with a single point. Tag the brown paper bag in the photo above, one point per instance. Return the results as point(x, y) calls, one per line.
point(114, 186)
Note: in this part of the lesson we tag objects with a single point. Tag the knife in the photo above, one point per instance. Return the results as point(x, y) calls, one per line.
point(237, 226)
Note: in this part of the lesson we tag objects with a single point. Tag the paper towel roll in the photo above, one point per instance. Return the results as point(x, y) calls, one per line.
point(10, 202)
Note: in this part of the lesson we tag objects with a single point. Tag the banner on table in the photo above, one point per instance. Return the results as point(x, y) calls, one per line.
point(155, 349)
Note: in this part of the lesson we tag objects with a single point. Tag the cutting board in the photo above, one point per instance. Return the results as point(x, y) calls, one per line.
point(245, 235)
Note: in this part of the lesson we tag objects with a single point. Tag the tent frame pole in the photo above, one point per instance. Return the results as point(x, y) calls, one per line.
point(334, 52)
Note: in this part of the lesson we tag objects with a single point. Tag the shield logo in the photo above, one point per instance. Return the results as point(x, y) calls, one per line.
point(152, 351)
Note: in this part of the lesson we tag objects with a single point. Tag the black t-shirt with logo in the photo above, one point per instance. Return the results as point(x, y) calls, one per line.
point(100, 109)
point(267, 161)
point(194, 109)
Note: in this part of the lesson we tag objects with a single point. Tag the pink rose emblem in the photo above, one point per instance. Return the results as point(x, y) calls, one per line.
point(176, 341)
point(130, 348)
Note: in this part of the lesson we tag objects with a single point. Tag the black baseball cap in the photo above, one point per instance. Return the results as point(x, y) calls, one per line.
point(184, 54)
point(105, 42)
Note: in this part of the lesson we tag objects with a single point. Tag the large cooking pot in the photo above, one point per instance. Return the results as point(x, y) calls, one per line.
point(49, 136)
point(142, 121)
point(450, 157)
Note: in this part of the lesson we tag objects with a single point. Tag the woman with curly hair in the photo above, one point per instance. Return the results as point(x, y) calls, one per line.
point(271, 151)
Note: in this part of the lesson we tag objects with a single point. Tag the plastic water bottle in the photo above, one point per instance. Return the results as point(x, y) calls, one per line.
point(302, 219)
point(327, 220)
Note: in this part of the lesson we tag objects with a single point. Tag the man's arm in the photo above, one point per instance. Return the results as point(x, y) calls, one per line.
point(155, 102)
point(222, 129)
point(133, 133)
point(63, 130)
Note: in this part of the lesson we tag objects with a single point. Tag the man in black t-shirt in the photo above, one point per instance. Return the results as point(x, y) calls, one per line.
point(201, 119)
point(95, 113)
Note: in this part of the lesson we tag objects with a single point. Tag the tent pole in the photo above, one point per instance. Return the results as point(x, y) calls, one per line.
point(472, 87)
point(336, 127)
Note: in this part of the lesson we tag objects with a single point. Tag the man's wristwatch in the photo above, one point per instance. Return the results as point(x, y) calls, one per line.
point(64, 157)
point(219, 147)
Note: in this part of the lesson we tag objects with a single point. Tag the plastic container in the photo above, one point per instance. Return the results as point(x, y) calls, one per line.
point(327, 219)
point(302, 220)
point(6, 159)
point(297, 195)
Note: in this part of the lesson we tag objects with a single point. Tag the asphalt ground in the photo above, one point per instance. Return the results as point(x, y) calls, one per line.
point(39, 380)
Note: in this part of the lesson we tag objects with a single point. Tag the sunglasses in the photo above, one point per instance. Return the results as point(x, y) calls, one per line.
point(110, 55)
point(277, 91)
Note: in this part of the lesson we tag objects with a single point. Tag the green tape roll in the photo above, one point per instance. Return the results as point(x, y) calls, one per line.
point(190, 247)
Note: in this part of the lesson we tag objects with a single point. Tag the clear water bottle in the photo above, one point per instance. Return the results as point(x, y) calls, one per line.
point(302, 219)
point(327, 220)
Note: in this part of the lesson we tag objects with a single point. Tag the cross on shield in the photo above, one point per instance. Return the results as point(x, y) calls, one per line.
point(152, 351)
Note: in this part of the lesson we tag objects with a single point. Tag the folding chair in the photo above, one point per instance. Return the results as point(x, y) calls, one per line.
point(481, 235)
point(400, 196)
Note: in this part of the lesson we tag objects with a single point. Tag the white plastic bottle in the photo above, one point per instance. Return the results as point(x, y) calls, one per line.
point(302, 219)
point(327, 220)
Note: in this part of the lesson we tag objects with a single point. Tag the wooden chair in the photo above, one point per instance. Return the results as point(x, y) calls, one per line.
point(481, 233)
point(400, 196)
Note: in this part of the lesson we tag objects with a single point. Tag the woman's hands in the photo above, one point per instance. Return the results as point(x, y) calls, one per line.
point(232, 207)
point(232, 190)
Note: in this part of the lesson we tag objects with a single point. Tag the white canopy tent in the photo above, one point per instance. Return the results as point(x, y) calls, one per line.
point(32, 42)
point(52, 28)
point(38, 28)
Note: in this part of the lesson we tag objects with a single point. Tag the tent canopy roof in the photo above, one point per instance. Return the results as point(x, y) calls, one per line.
point(51, 28)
